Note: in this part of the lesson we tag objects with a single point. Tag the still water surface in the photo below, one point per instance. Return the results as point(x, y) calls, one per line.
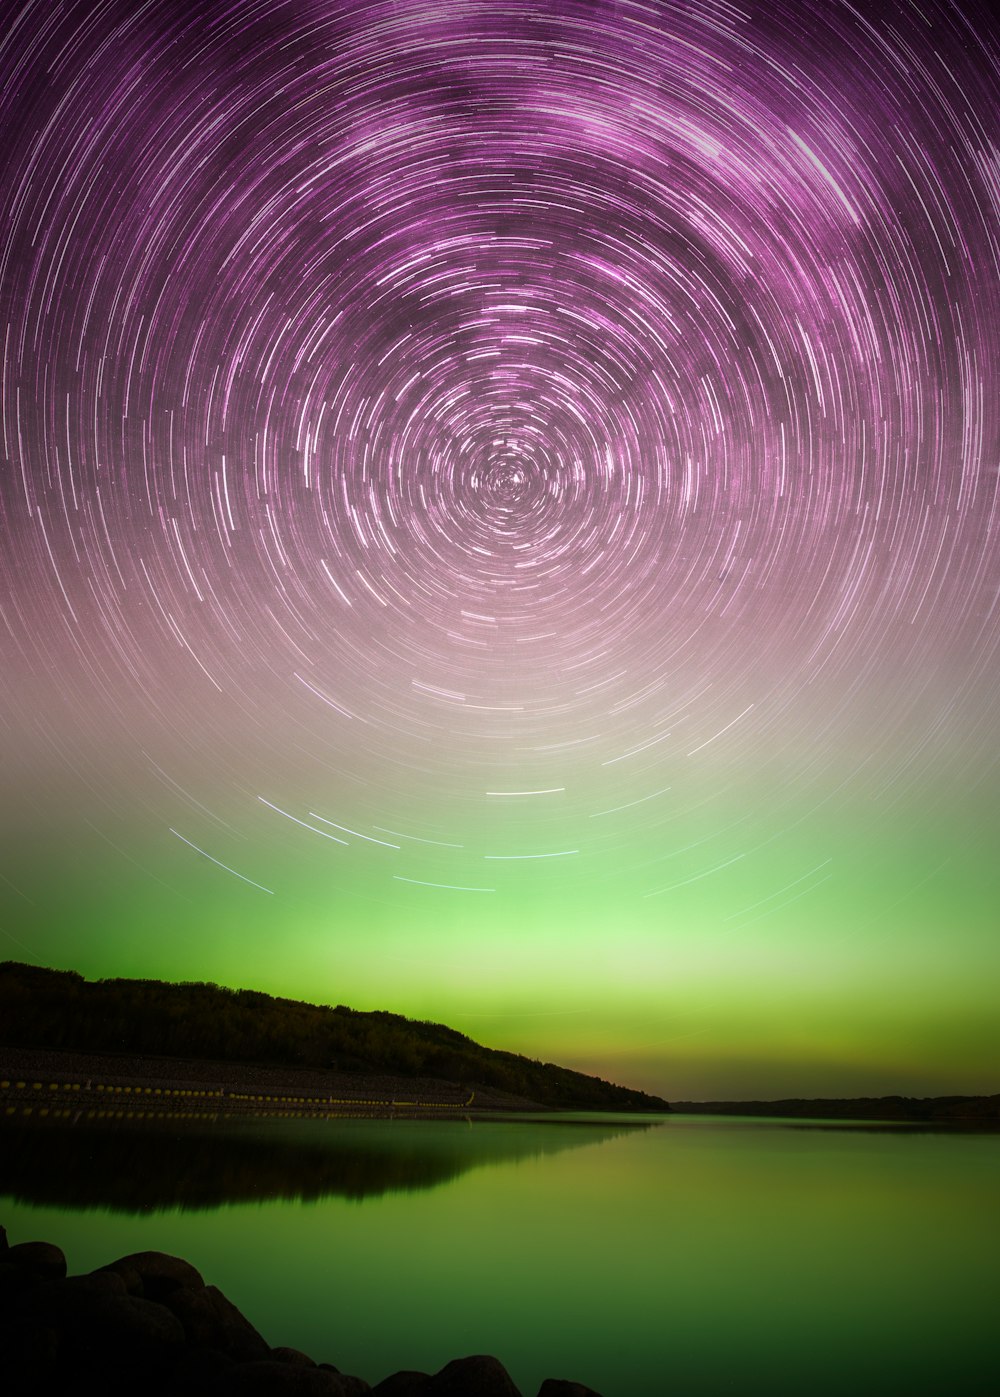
point(689, 1255)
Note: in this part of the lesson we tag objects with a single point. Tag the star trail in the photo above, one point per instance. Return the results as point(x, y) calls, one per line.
point(546, 450)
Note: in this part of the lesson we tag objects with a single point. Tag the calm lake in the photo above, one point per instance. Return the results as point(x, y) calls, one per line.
point(688, 1254)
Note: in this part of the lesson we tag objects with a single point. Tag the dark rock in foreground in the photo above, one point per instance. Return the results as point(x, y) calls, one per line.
point(148, 1323)
point(558, 1387)
point(40, 1259)
point(481, 1376)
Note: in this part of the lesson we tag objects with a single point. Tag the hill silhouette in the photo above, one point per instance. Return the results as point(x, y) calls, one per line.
point(60, 1010)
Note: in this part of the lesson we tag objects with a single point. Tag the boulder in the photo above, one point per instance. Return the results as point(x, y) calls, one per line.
point(478, 1376)
point(197, 1372)
point(148, 1323)
point(405, 1383)
point(33, 1318)
point(283, 1354)
point(159, 1273)
point(30, 1359)
point(210, 1320)
point(15, 1280)
point(97, 1283)
point(63, 1339)
point(129, 1277)
point(559, 1387)
point(40, 1258)
point(268, 1377)
point(112, 1331)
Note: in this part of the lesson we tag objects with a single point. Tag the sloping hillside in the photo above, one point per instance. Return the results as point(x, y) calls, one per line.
point(59, 1009)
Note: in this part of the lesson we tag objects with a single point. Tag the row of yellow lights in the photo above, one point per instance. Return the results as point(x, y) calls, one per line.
point(56, 1113)
point(6, 1085)
point(100, 1086)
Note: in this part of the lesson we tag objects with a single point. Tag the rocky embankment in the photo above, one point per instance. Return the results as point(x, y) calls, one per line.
point(41, 1077)
point(148, 1324)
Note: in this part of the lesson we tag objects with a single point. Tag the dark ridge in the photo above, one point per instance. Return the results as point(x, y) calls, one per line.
point(60, 1010)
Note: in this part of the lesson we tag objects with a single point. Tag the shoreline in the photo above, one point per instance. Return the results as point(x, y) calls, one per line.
point(981, 1111)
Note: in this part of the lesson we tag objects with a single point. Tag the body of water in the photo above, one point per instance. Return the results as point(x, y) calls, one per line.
point(689, 1255)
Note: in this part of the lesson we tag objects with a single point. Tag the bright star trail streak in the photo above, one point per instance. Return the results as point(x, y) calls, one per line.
point(471, 420)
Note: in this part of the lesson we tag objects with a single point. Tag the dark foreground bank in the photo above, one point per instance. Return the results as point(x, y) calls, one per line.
point(148, 1324)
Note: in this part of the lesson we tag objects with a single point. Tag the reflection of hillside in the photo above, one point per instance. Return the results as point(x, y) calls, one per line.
point(132, 1166)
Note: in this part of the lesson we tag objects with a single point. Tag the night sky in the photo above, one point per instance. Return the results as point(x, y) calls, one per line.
point(499, 515)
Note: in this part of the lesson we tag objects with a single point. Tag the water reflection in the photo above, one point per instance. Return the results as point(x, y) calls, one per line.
point(706, 1256)
point(141, 1167)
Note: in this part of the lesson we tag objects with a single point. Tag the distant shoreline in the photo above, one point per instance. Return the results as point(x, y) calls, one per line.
point(981, 1111)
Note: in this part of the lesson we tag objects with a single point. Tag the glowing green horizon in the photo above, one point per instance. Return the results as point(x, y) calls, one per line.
point(811, 952)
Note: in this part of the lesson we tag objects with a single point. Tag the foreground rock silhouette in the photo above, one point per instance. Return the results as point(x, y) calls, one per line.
point(148, 1324)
